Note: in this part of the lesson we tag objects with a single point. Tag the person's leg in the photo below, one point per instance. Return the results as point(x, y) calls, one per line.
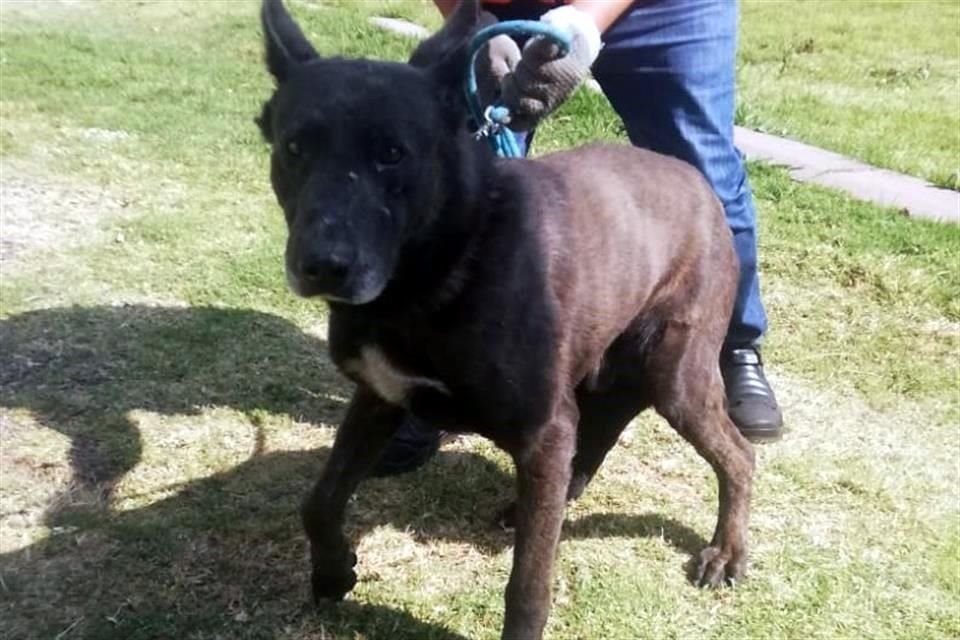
point(413, 444)
point(668, 69)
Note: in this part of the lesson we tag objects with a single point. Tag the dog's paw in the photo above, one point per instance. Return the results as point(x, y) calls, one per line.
point(718, 567)
point(334, 580)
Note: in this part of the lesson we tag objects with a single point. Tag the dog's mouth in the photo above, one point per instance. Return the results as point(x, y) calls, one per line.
point(350, 290)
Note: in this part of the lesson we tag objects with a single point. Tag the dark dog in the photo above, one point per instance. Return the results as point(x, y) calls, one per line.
point(541, 303)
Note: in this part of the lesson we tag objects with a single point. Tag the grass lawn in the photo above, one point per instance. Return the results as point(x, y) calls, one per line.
point(879, 81)
point(165, 401)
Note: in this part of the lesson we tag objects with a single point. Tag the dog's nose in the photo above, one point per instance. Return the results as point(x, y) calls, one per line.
point(327, 269)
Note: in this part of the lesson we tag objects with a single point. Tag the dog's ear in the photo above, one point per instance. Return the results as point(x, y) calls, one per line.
point(445, 54)
point(286, 46)
point(452, 37)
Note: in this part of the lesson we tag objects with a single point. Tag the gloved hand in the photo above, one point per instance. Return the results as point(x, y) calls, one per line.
point(543, 79)
point(494, 62)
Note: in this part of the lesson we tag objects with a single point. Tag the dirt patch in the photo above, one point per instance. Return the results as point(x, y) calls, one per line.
point(101, 16)
point(45, 6)
point(46, 9)
point(43, 212)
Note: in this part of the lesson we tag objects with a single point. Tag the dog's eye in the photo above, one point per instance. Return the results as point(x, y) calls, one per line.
point(293, 148)
point(389, 155)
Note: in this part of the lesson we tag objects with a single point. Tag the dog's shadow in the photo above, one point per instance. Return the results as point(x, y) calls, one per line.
point(226, 549)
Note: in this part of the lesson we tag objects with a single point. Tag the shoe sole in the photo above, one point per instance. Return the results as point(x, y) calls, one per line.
point(764, 438)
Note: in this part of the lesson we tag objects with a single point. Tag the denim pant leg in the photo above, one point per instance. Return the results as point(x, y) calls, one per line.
point(668, 69)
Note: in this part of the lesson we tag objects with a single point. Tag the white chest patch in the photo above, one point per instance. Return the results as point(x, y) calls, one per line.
point(391, 384)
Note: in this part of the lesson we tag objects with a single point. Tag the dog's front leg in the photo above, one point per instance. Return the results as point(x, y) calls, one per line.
point(543, 473)
point(360, 441)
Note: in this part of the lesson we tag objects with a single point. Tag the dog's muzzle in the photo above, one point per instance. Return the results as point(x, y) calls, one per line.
point(333, 280)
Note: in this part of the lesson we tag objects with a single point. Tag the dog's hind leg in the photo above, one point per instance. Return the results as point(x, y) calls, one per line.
point(360, 441)
point(690, 395)
point(604, 414)
point(543, 475)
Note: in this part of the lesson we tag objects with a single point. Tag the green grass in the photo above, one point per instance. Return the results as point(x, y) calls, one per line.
point(165, 401)
point(879, 81)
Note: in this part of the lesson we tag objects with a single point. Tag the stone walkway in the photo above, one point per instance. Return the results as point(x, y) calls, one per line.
point(913, 196)
point(806, 163)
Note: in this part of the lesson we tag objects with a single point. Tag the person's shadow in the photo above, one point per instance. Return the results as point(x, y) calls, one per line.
point(227, 550)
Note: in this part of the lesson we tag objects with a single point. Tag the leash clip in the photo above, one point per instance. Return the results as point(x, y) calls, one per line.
point(490, 126)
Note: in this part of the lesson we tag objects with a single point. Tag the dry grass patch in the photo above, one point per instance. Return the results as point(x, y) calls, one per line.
point(40, 213)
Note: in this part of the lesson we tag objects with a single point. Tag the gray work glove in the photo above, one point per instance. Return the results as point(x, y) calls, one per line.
point(543, 79)
point(494, 62)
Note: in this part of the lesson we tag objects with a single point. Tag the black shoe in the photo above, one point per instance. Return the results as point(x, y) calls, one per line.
point(412, 446)
point(751, 403)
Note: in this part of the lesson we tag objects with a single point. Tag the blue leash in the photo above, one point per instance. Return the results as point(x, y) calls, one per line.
point(493, 120)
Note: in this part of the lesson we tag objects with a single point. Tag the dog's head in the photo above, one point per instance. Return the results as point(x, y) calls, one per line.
point(358, 148)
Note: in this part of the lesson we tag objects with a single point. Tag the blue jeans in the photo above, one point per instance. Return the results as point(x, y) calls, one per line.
point(668, 68)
